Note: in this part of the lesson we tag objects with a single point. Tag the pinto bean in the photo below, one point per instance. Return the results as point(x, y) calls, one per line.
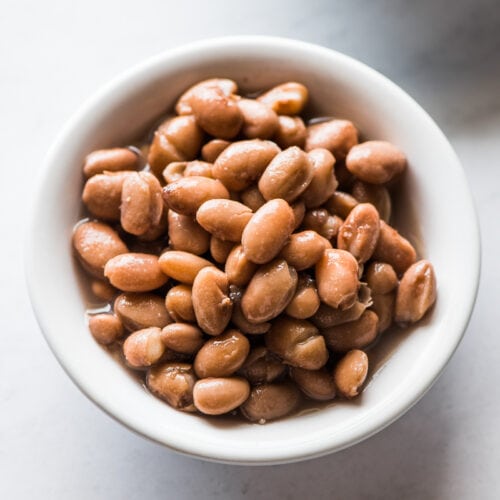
point(95, 244)
point(227, 87)
point(287, 176)
point(259, 120)
point(353, 335)
point(269, 291)
point(212, 149)
point(143, 348)
point(267, 231)
point(243, 162)
point(394, 249)
point(381, 277)
point(305, 302)
point(376, 162)
point(182, 337)
point(323, 183)
point(111, 160)
point(179, 304)
point(341, 204)
point(262, 366)
point(211, 302)
point(291, 131)
point(416, 292)
point(141, 310)
point(186, 234)
point(359, 232)
point(220, 249)
point(304, 249)
point(176, 139)
point(141, 203)
point(238, 268)
point(223, 355)
point(350, 373)
point(105, 328)
point(286, 99)
point(337, 278)
point(174, 383)
point(376, 194)
point(216, 113)
point(225, 219)
point(271, 401)
point(186, 195)
point(102, 195)
point(321, 221)
point(219, 395)
point(316, 384)
point(182, 266)
point(338, 136)
point(135, 272)
point(297, 342)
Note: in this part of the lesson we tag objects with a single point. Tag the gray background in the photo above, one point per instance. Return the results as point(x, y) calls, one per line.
point(54, 443)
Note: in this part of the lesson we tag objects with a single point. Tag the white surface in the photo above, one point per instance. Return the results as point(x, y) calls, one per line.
point(338, 86)
point(56, 444)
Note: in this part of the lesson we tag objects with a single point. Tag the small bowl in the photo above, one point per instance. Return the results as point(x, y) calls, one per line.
point(435, 208)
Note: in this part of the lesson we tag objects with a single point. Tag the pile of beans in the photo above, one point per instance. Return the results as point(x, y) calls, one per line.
point(247, 258)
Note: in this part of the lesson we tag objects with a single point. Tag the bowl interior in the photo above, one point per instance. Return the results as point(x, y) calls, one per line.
point(434, 204)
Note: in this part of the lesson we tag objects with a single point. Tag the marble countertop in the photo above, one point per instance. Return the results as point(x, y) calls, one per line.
point(54, 443)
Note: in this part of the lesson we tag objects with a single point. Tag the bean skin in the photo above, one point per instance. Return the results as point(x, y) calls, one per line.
point(286, 99)
point(212, 149)
point(376, 194)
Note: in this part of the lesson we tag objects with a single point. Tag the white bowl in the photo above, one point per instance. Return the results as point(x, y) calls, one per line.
point(435, 192)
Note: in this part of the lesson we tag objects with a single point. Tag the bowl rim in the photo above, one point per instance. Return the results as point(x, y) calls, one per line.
point(191, 448)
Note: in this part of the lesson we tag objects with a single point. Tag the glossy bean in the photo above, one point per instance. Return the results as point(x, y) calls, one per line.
point(269, 291)
point(219, 395)
point(211, 302)
point(350, 373)
point(141, 310)
point(338, 136)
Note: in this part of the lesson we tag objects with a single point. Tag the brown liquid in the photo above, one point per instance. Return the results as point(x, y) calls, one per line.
point(404, 219)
